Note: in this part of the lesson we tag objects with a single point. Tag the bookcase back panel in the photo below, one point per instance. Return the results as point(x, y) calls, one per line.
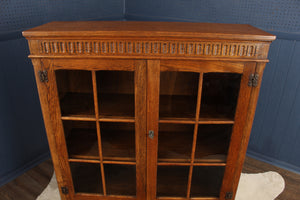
point(75, 99)
point(115, 93)
point(87, 178)
point(178, 94)
point(219, 95)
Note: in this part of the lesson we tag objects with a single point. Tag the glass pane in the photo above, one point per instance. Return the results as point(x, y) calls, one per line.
point(120, 179)
point(175, 142)
point(81, 139)
point(118, 140)
point(75, 92)
point(219, 95)
point(213, 142)
point(207, 181)
point(172, 181)
point(178, 94)
point(86, 178)
point(115, 93)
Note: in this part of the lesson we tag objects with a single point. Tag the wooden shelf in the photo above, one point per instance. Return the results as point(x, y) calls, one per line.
point(82, 160)
point(215, 121)
point(216, 113)
point(175, 142)
point(206, 120)
point(82, 144)
point(207, 116)
point(112, 107)
point(176, 146)
point(166, 120)
point(120, 179)
point(116, 145)
point(207, 163)
point(213, 143)
point(172, 181)
point(174, 120)
point(77, 105)
point(74, 118)
point(117, 119)
point(107, 119)
point(177, 106)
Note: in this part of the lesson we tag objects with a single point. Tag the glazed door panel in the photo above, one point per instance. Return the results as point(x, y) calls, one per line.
point(194, 117)
point(103, 119)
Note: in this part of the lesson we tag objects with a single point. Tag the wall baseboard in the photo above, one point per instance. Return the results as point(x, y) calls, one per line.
point(273, 161)
point(19, 171)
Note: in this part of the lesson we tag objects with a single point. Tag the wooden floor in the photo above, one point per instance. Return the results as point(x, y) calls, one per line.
point(292, 180)
point(32, 183)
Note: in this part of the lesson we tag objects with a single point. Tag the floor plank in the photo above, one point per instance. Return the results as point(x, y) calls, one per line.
point(29, 185)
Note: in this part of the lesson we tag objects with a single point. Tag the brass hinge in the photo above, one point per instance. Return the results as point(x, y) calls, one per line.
point(65, 190)
point(253, 80)
point(43, 76)
point(228, 195)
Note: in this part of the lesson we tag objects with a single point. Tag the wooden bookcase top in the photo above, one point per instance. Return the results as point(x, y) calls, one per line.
point(149, 29)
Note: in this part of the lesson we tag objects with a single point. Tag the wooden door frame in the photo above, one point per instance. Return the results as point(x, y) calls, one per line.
point(54, 126)
point(140, 86)
point(153, 78)
point(51, 114)
point(154, 67)
point(232, 175)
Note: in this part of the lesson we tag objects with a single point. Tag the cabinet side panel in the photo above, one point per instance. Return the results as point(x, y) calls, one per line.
point(237, 134)
point(140, 127)
point(50, 109)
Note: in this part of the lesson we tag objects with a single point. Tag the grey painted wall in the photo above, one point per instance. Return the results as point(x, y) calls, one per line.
point(276, 129)
point(23, 141)
point(22, 137)
point(279, 15)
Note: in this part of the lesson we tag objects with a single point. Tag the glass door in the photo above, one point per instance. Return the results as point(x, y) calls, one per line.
point(103, 117)
point(195, 121)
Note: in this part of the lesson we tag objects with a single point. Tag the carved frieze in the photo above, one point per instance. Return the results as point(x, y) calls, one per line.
point(150, 48)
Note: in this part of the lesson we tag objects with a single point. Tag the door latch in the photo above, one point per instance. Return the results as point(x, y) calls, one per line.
point(151, 134)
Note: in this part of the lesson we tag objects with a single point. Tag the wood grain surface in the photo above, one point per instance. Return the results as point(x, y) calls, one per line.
point(166, 29)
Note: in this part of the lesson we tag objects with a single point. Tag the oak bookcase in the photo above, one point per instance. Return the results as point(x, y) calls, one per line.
point(148, 110)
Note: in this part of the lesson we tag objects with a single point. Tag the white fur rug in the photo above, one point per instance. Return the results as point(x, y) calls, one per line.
point(263, 186)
